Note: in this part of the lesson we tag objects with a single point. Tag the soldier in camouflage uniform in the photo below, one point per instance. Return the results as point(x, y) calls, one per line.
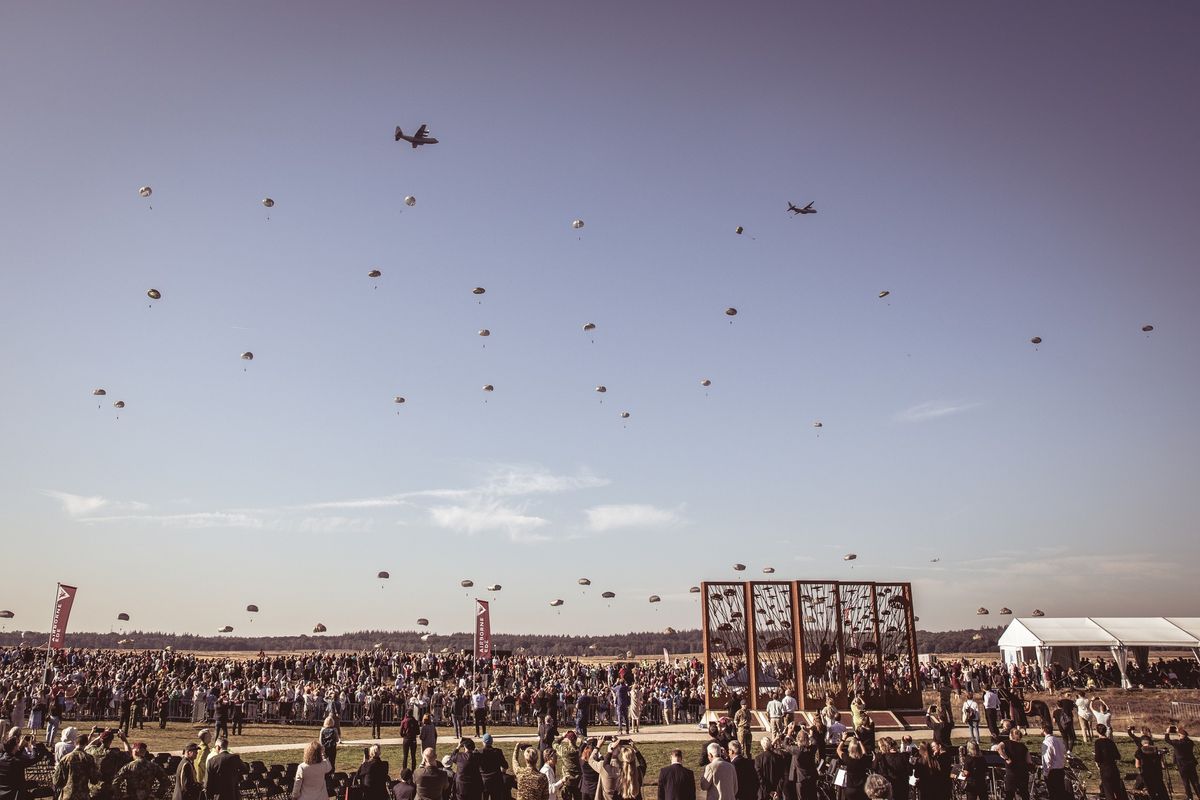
point(140, 779)
point(75, 772)
point(108, 762)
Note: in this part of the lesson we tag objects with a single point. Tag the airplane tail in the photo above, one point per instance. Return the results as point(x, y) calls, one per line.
point(399, 133)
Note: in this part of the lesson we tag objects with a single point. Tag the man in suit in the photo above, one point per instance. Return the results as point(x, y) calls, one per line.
point(223, 774)
point(186, 785)
point(719, 780)
point(772, 766)
point(676, 782)
point(747, 778)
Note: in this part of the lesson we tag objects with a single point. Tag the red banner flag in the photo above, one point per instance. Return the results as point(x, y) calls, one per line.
point(62, 611)
point(483, 630)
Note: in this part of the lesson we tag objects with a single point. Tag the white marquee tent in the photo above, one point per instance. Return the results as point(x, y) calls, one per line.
point(1042, 635)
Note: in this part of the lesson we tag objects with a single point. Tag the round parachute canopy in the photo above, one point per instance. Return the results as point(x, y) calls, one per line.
point(479, 290)
point(485, 332)
point(668, 630)
point(495, 587)
point(694, 590)
point(119, 404)
point(467, 584)
point(319, 628)
point(556, 603)
point(410, 201)
point(383, 575)
point(589, 326)
point(624, 415)
point(731, 312)
point(145, 191)
point(738, 230)
point(601, 389)
point(577, 224)
point(883, 294)
point(487, 387)
point(6, 614)
point(253, 609)
point(423, 622)
point(268, 202)
point(608, 595)
point(849, 556)
point(1147, 328)
point(768, 570)
point(226, 629)
point(655, 598)
point(977, 636)
point(425, 637)
point(1037, 612)
point(154, 294)
point(725, 626)
point(981, 611)
point(98, 392)
point(739, 567)
point(584, 582)
point(818, 424)
point(374, 273)
point(705, 382)
point(1036, 340)
point(123, 617)
point(1006, 611)
point(730, 592)
point(247, 356)
point(398, 400)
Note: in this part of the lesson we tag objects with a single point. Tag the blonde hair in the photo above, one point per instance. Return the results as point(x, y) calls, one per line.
point(328, 723)
point(629, 781)
point(312, 753)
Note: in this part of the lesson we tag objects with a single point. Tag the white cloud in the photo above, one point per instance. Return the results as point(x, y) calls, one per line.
point(924, 412)
point(633, 515)
point(483, 517)
point(77, 505)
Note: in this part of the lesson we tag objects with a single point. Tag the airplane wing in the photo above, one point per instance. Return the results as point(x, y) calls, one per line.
point(422, 132)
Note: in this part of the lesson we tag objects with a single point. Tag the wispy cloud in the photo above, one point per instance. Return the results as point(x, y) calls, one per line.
point(80, 506)
point(933, 409)
point(485, 517)
point(633, 515)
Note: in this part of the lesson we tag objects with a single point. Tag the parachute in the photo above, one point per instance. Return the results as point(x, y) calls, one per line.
point(145, 191)
point(608, 595)
point(466, 584)
point(119, 404)
point(655, 598)
point(768, 570)
point(883, 294)
point(424, 623)
point(705, 382)
point(98, 393)
point(1036, 340)
point(555, 603)
point(374, 273)
point(739, 567)
point(479, 290)
point(123, 617)
point(6, 614)
point(738, 230)
point(624, 415)
point(398, 400)
point(383, 575)
point(1006, 611)
point(485, 332)
point(495, 587)
point(154, 294)
point(818, 424)
point(584, 582)
point(601, 389)
point(589, 326)
point(694, 590)
point(1147, 328)
point(253, 609)
point(319, 628)
point(487, 387)
point(268, 202)
point(247, 356)
point(577, 224)
point(410, 200)
point(731, 312)
point(1037, 612)
point(849, 556)
point(226, 629)
point(981, 611)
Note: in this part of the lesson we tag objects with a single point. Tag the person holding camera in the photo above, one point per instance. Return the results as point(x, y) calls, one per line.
point(1150, 766)
point(1108, 761)
point(853, 769)
point(1185, 759)
point(1016, 765)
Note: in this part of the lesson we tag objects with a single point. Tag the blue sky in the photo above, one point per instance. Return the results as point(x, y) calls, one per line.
point(1003, 172)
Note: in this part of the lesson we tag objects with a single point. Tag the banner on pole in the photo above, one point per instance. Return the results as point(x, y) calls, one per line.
point(62, 612)
point(483, 630)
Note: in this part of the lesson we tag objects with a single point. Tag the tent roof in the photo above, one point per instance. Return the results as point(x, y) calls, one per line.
point(1101, 632)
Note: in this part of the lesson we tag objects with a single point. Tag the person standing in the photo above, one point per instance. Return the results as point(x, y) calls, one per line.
point(775, 715)
point(1016, 766)
point(1108, 761)
point(1185, 760)
point(991, 712)
point(479, 706)
point(970, 717)
point(492, 768)
point(140, 779)
point(372, 775)
point(719, 780)
point(583, 713)
point(311, 775)
point(330, 740)
point(224, 773)
point(409, 731)
point(675, 781)
point(747, 780)
point(568, 765)
point(75, 771)
point(1150, 766)
point(1054, 763)
point(468, 779)
point(375, 714)
point(741, 721)
point(974, 772)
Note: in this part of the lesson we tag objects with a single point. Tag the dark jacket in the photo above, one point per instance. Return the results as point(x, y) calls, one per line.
point(224, 774)
point(431, 782)
point(12, 775)
point(772, 769)
point(675, 782)
point(186, 785)
point(373, 778)
point(747, 778)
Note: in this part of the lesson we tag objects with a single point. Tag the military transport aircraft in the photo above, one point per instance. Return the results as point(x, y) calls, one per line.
point(792, 207)
point(417, 139)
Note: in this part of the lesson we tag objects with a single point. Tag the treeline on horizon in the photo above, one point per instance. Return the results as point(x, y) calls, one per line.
point(612, 645)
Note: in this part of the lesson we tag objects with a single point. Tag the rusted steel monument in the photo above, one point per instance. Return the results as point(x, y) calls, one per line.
point(815, 638)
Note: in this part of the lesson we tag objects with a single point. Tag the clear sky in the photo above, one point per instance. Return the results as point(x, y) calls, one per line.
point(1004, 170)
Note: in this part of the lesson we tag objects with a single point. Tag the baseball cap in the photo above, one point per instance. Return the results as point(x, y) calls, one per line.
point(487, 738)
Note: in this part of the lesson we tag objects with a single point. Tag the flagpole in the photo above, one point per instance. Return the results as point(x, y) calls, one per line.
point(50, 636)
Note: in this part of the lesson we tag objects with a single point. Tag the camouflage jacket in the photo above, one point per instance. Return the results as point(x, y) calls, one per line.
point(74, 774)
point(141, 779)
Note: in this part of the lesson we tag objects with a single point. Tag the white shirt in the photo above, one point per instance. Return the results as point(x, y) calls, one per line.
point(1083, 708)
point(552, 779)
point(1054, 753)
point(991, 700)
point(789, 704)
point(774, 709)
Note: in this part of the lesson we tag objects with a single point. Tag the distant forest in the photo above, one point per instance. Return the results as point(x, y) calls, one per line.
point(617, 645)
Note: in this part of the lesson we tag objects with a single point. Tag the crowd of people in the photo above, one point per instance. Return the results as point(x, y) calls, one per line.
point(379, 687)
point(1089, 674)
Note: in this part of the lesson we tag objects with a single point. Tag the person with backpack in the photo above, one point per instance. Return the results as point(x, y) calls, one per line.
point(970, 716)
